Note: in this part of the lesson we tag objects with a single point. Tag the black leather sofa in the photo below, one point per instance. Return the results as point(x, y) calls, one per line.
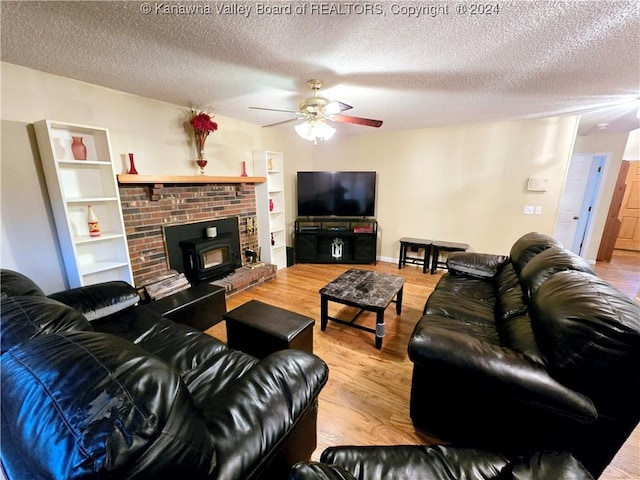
point(527, 352)
point(95, 386)
point(439, 462)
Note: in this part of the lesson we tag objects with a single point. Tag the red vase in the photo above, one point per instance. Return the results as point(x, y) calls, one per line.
point(201, 163)
point(132, 168)
point(271, 205)
point(78, 149)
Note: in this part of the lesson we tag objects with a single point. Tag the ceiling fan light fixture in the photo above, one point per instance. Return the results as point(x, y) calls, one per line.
point(314, 130)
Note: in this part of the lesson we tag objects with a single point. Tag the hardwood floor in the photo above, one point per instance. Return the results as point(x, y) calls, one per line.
point(366, 400)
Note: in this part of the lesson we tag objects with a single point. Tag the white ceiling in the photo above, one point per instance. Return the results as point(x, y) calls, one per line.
point(530, 59)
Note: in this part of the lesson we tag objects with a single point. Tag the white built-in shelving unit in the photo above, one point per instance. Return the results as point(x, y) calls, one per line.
point(272, 234)
point(73, 185)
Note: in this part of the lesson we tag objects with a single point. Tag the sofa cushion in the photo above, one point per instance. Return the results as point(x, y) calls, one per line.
point(546, 263)
point(588, 331)
point(467, 299)
point(15, 284)
point(26, 317)
point(205, 364)
point(528, 246)
point(511, 300)
point(517, 334)
point(86, 403)
point(481, 265)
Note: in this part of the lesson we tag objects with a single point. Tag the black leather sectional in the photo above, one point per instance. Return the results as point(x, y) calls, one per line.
point(106, 388)
point(528, 352)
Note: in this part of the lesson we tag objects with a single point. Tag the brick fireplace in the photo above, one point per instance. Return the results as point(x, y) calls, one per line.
point(149, 208)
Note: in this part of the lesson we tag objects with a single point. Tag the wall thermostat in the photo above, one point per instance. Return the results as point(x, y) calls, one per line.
point(537, 184)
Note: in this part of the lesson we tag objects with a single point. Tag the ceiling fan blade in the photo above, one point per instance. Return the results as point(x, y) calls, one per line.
point(273, 110)
point(281, 123)
point(335, 107)
point(357, 120)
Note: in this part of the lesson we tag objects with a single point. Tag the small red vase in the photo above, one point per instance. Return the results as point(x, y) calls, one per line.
point(78, 149)
point(271, 205)
point(201, 163)
point(132, 167)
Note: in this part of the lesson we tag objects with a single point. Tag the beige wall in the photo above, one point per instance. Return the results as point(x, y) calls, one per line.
point(465, 183)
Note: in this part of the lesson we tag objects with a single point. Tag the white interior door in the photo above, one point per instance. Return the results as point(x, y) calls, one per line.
point(588, 204)
point(571, 201)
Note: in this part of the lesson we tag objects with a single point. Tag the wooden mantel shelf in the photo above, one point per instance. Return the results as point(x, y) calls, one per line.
point(153, 179)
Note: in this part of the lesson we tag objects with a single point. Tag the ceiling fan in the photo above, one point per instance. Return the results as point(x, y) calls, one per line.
point(315, 111)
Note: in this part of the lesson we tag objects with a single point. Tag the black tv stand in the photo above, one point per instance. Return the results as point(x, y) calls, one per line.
point(336, 240)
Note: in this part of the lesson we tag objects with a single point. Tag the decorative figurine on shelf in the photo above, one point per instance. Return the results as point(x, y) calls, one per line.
point(132, 167)
point(244, 169)
point(202, 125)
point(273, 240)
point(94, 225)
point(269, 163)
point(336, 248)
point(271, 204)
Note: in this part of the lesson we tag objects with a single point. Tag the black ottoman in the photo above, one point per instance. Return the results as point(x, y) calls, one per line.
point(260, 329)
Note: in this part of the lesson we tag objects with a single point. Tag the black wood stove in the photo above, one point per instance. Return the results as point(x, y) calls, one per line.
point(208, 258)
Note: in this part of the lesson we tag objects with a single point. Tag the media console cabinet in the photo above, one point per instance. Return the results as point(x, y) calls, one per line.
point(336, 240)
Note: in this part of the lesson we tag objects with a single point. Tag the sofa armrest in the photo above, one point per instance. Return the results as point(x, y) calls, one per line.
point(319, 471)
point(480, 265)
point(256, 413)
point(437, 461)
point(99, 300)
point(438, 344)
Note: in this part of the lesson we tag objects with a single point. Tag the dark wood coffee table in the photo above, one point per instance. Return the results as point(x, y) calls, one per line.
point(366, 290)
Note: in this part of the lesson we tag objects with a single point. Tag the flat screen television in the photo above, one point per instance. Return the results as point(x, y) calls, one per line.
point(342, 194)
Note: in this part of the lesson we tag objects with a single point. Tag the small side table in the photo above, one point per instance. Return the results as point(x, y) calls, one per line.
point(439, 247)
point(200, 306)
point(260, 329)
point(408, 242)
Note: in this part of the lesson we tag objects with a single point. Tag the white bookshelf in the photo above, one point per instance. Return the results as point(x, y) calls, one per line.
point(73, 185)
point(271, 223)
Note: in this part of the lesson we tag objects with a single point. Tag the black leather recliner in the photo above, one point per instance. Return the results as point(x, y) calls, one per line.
point(131, 394)
point(526, 353)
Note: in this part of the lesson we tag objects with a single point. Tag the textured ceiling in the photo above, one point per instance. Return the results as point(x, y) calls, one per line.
point(391, 61)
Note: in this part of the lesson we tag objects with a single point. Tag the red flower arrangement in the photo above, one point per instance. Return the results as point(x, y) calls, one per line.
point(202, 125)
